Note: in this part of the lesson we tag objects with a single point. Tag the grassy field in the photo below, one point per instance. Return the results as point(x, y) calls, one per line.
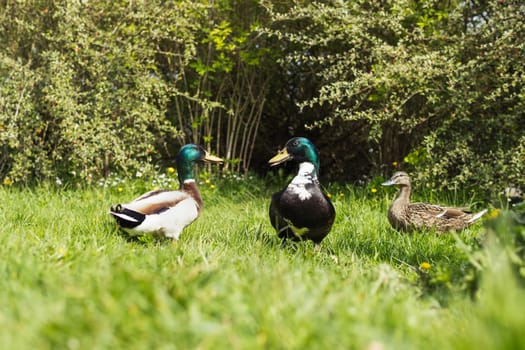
point(70, 280)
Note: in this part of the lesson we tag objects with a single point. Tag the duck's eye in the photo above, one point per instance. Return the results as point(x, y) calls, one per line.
point(295, 143)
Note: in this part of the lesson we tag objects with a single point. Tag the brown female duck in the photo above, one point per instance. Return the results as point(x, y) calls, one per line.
point(406, 216)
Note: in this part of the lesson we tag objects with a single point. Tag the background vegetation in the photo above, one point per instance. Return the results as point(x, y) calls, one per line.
point(93, 88)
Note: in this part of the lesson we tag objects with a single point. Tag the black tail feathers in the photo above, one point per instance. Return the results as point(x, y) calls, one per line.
point(126, 218)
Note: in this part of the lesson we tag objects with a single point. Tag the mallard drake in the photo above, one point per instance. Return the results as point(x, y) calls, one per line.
point(301, 211)
point(406, 216)
point(165, 212)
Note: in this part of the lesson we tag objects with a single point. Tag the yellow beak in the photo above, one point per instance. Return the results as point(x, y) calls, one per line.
point(212, 159)
point(280, 157)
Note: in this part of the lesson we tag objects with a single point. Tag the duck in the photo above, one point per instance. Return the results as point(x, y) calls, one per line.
point(301, 211)
point(406, 216)
point(167, 212)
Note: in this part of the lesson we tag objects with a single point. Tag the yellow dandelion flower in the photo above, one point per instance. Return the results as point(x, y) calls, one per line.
point(394, 164)
point(119, 189)
point(329, 195)
point(170, 170)
point(341, 194)
point(425, 266)
point(373, 190)
point(212, 186)
point(8, 181)
point(207, 181)
point(493, 214)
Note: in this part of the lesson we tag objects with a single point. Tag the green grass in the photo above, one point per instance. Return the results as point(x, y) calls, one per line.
point(70, 280)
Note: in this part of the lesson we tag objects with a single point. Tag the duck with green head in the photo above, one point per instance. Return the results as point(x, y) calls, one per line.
point(167, 212)
point(301, 211)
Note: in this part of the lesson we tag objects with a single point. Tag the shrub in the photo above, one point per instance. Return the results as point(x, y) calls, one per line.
point(94, 87)
point(393, 78)
point(82, 93)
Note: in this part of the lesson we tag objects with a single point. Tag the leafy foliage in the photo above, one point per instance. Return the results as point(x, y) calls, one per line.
point(399, 76)
point(95, 102)
point(91, 88)
point(226, 83)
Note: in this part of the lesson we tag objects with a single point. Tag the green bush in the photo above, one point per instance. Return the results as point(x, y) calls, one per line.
point(442, 79)
point(83, 96)
point(91, 88)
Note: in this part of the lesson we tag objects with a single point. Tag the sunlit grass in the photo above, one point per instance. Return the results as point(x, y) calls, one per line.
point(71, 280)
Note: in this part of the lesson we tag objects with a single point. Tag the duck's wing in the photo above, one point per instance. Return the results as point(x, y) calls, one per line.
point(154, 202)
point(301, 211)
point(430, 209)
point(151, 194)
point(437, 210)
point(452, 213)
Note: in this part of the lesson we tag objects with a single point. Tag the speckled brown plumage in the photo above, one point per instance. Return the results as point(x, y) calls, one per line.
point(406, 216)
